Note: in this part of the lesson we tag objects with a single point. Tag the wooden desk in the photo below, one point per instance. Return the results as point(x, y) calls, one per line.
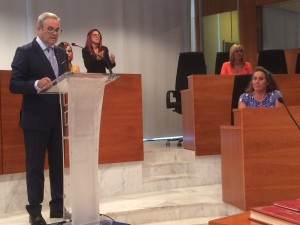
point(260, 157)
point(121, 136)
point(238, 219)
point(206, 105)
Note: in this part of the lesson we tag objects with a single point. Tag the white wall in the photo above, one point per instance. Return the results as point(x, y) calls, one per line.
point(281, 28)
point(146, 37)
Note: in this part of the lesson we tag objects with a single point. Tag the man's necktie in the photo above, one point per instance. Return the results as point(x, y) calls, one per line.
point(52, 60)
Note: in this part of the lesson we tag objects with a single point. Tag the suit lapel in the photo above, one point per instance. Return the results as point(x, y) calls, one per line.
point(45, 60)
point(61, 60)
point(40, 52)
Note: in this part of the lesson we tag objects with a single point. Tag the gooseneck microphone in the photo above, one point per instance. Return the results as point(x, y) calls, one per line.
point(74, 44)
point(280, 99)
point(107, 63)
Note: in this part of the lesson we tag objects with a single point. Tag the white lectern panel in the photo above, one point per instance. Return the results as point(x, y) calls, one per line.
point(85, 95)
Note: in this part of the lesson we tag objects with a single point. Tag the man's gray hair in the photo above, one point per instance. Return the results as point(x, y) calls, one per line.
point(45, 15)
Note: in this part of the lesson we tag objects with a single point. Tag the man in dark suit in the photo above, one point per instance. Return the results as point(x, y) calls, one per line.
point(41, 116)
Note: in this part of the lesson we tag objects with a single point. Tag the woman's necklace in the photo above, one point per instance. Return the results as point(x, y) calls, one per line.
point(238, 66)
point(259, 97)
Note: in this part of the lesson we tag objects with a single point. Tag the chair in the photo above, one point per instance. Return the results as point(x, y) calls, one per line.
point(273, 60)
point(239, 86)
point(297, 70)
point(188, 63)
point(221, 57)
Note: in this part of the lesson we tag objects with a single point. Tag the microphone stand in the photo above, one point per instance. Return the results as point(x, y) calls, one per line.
point(281, 101)
point(107, 63)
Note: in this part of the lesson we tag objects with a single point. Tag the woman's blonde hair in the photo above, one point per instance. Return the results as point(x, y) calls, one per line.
point(233, 48)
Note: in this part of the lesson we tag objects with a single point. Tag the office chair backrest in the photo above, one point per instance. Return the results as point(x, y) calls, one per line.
point(297, 70)
point(239, 86)
point(273, 60)
point(221, 57)
point(188, 63)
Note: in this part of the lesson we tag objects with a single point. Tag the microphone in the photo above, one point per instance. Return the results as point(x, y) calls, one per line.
point(108, 65)
point(74, 44)
point(280, 99)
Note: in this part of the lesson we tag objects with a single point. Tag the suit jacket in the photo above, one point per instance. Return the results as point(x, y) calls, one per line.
point(39, 111)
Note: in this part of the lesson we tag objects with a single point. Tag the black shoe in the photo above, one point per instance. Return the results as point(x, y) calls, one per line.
point(60, 214)
point(37, 220)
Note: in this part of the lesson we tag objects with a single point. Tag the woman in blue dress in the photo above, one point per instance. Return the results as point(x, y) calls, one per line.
point(261, 92)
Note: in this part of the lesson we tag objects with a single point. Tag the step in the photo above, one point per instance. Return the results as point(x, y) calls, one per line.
point(169, 155)
point(168, 205)
point(166, 182)
point(167, 168)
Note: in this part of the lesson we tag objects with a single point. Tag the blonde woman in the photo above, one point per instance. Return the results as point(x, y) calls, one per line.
point(67, 47)
point(236, 64)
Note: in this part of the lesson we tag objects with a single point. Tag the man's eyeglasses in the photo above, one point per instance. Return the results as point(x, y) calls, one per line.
point(51, 30)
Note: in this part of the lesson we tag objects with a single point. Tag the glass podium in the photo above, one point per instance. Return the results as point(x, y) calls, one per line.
point(81, 116)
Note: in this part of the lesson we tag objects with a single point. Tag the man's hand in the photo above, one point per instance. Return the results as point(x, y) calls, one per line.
point(43, 82)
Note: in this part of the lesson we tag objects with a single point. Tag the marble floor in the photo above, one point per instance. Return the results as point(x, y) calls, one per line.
point(176, 201)
point(147, 202)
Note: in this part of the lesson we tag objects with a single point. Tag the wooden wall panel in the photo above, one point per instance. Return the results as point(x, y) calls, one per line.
point(232, 165)
point(121, 128)
point(250, 35)
point(289, 85)
point(12, 134)
point(211, 97)
point(291, 59)
point(268, 2)
point(121, 132)
point(210, 7)
point(1, 157)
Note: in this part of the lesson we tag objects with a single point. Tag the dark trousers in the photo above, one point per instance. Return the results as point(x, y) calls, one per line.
point(36, 144)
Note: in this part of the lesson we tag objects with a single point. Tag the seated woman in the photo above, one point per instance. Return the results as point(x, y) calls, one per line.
point(72, 67)
point(236, 64)
point(262, 91)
